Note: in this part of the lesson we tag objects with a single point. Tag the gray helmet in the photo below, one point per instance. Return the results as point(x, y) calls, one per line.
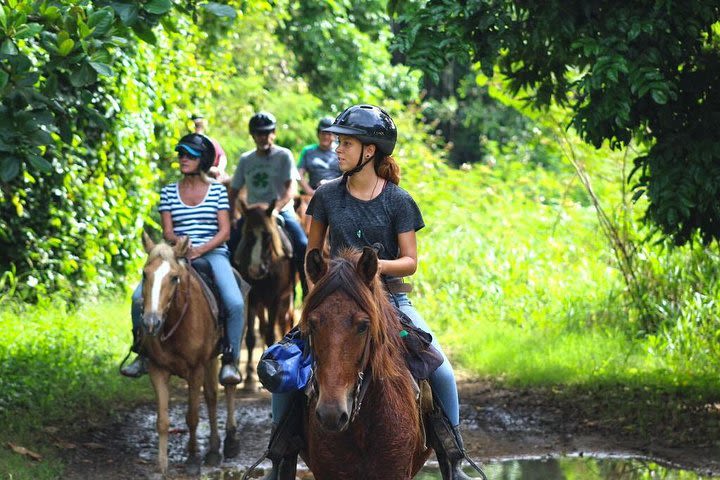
point(200, 146)
point(324, 123)
point(262, 122)
point(369, 124)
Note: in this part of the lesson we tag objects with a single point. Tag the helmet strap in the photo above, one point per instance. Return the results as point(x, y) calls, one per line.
point(360, 164)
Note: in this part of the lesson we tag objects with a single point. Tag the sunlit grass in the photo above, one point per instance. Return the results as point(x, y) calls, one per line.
point(57, 368)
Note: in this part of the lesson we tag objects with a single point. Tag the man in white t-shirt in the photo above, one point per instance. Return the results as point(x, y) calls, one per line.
point(265, 174)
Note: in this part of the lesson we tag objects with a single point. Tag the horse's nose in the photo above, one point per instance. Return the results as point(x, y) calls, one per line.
point(332, 417)
point(151, 323)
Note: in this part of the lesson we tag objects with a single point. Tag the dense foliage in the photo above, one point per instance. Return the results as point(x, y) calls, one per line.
point(628, 70)
point(91, 95)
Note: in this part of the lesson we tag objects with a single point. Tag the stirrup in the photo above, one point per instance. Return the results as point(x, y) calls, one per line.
point(230, 375)
point(136, 369)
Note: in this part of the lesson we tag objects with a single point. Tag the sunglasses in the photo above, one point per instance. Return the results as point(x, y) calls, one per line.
point(182, 155)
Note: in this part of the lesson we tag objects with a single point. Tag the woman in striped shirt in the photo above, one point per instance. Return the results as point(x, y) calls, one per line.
point(198, 208)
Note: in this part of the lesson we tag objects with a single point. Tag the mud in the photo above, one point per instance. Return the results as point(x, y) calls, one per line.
point(498, 424)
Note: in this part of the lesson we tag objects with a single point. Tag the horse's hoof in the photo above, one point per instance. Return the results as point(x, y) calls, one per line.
point(231, 446)
point(213, 459)
point(250, 385)
point(192, 466)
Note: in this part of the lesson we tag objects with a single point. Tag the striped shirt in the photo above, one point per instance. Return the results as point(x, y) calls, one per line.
point(199, 222)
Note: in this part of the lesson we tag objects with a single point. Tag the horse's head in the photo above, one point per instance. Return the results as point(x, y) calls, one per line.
point(162, 275)
point(260, 247)
point(350, 325)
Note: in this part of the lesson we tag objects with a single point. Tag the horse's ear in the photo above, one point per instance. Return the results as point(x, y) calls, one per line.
point(271, 207)
point(181, 247)
point(147, 242)
point(367, 266)
point(315, 265)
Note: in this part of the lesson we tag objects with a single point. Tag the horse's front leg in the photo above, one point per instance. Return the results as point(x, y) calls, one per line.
point(195, 381)
point(160, 379)
point(250, 343)
point(210, 391)
point(231, 447)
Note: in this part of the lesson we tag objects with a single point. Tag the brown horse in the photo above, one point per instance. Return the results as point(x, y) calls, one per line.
point(266, 266)
point(363, 421)
point(181, 338)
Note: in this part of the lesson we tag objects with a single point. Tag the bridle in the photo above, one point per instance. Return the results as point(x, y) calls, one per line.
point(163, 337)
point(363, 374)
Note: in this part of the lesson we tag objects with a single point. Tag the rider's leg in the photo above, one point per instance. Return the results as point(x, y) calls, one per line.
point(138, 366)
point(443, 379)
point(235, 236)
point(286, 436)
point(299, 242)
point(445, 423)
point(233, 300)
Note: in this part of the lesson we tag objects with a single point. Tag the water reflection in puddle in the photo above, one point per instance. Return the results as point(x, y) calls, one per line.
point(548, 469)
point(576, 469)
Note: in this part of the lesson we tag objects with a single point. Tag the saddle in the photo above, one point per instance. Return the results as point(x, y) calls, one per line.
point(202, 270)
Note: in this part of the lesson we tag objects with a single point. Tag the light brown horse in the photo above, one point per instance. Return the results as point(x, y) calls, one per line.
point(363, 421)
point(265, 265)
point(181, 338)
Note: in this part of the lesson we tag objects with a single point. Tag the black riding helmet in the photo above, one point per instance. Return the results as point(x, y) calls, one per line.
point(262, 122)
point(324, 123)
point(200, 146)
point(369, 124)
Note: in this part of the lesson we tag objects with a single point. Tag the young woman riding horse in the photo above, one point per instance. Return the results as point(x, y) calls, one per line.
point(171, 340)
point(362, 422)
point(367, 208)
point(198, 208)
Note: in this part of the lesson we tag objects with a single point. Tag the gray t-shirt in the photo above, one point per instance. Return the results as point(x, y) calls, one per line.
point(320, 164)
point(357, 223)
point(265, 176)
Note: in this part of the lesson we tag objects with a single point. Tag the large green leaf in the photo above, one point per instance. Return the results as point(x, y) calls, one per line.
point(3, 78)
point(28, 30)
point(128, 13)
point(158, 7)
point(39, 162)
point(66, 47)
point(9, 168)
point(101, 21)
point(145, 33)
point(102, 68)
point(220, 10)
point(85, 75)
point(8, 48)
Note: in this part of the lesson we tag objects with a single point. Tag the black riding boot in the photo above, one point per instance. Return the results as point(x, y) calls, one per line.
point(286, 441)
point(229, 372)
point(449, 449)
point(138, 367)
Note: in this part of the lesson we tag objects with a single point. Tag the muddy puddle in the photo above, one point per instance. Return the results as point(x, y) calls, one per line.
point(512, 447)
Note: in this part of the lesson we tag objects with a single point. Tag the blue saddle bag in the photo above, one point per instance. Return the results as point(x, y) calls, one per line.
point(286, 366)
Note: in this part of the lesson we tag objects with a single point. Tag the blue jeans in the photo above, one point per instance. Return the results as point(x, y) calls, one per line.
point(442, 380)
point(229, 292)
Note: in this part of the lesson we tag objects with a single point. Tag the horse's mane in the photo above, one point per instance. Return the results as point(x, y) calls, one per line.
point(164, 251)
point(387, 348)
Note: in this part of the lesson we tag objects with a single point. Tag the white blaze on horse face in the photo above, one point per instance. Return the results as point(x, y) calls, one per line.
point(256, 254)
point(160, 273)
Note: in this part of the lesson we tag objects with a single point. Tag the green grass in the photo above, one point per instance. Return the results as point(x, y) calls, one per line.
point(58, 367)
point(514, 277)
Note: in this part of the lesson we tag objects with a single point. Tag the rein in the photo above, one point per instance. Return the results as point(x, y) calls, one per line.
point(164, 337)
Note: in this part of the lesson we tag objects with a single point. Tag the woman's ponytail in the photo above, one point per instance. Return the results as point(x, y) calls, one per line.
point(386, 167)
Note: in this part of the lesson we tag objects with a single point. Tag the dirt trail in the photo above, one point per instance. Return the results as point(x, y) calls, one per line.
point(498, 424)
